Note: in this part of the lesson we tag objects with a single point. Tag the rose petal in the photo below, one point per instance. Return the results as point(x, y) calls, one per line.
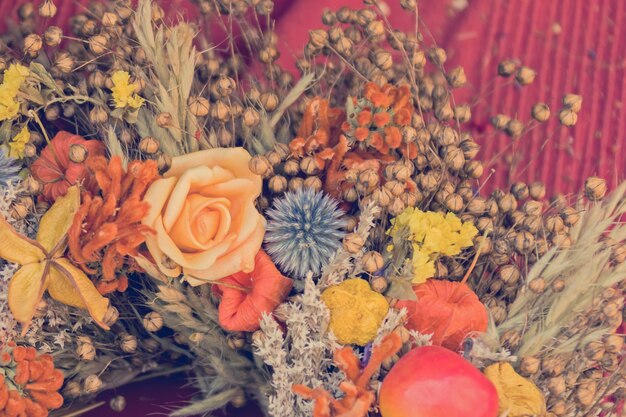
point(238, 259)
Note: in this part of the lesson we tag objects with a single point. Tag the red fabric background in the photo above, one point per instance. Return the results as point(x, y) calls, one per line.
point(576, 46)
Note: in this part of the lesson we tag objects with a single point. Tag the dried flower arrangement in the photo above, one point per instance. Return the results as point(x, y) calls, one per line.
point(322, 246)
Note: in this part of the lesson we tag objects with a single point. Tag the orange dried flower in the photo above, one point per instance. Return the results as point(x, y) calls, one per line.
point(382, 119)
point(364, 118)
point(357, 398)
point(247, 296)
point(29, 383)
point(56, 171)
point(107, 228)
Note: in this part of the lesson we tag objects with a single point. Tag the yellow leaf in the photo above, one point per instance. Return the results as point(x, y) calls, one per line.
point(56, 222)
point(17, 248)
point(69, 285)
point(26, 289)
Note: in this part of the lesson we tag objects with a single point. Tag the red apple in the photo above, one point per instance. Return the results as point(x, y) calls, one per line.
point(432, 381)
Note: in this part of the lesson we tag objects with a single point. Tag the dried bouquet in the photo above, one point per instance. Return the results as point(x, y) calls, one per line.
point(321, 243)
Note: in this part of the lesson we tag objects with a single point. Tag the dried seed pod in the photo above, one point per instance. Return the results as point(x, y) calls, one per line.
point(586, 392)
point(153, 322)
point(537, 285)
point(149, 145)
point(457, 78)
point(514, 128)
point(309, 166)
point(463, 113)
point(613, 343)
point(92, 384)
point(595, 188)
point(313, 182)
point(570, 216)
point(532, 223)
point(198, 106)
point(220, 111)
point(382, 197)
point(507, 67)
point(500, 121)
point(111, 316)
point(269, 101)
point(64, 62)
point(296, 184)
point(540, 112)
point(454, 203)
point(568, 117)
point(32, 45)
point(353, 242)
point(72, 390)
point(372, 261)
point(78, 154)
point(509, 274)
point(236, 341)
point(524, 242)
point(594, 351)
point(556, 386)
point(554, 365)
point(53, 35)
point(454, 158)
point(225, 86)
point(525, 75)
point(85, 349)
point(98, 44)
point(118, 403)
point(47, 9)
point(557, 406)
point(474, 169)
point(437, 56)
point(537, 190)
point(558, 285)
point(277, 184)
point(529, 365)
point(573, 102)
point(507, 203)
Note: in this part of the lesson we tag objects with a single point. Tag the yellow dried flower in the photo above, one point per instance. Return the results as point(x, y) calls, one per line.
point(18, 143)
point(517, 395)
point(124, 91)
point(431, 235)
point(14, 76)
point(356, 311)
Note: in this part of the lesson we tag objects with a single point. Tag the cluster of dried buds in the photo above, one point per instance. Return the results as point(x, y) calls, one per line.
point(29, 382)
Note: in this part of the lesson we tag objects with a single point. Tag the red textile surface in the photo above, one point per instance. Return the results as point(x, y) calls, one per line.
point(576, 46)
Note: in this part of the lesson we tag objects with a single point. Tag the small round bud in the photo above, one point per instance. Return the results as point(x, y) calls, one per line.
point(53, 35)
point(353, 242)
point(379, 284)
point(510, 274)
point(111, 316)
point(118, 403)
point(85, 349)
point(313, 182)
point(514, 128)
point(225, 86)
point(296, 184)
point(72, 390)
point(372, 261)
point(269, 101)
point(78, 154)
point(47, 9)
point(529, 365)
point(309, 166)
point(573, 102)
point(153, 321)
point(500, 121)
point(613, 343)
point(236, 341)
point(149, 145)
point(198, 106)
point(318, 38)
point(110, 19)
point(595, 188)
point(33, 186)
point(540, 112)
point(525, 76)
point(437, 56)
point(251, 117)
point(92, 384)
point(32, 45)
point(64, 62)
point(164, 162)
point(537, 190)
point(457, 77)
point(537, 285)
point(558, 285)
point(164, 120)
point(98, 44)
point(507, 67)
point(277, 184)
point(98, 115)
point(128, 343)
point(568, 117)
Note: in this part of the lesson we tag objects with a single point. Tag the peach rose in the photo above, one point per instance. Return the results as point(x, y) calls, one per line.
point(203, 213)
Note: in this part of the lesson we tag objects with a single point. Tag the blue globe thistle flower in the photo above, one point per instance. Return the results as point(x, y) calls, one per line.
point(9, 170)
point(304, 230)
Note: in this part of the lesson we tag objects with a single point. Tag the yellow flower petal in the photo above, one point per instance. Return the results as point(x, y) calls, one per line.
point(17, 248)
point(518, 396)
point(56, 222)
point(25, 291)
point(69, 285)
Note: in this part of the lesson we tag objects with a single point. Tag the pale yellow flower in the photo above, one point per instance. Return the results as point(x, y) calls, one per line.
point(17, 144)
point(124, 91)
point(432, 235)
point(14, 76)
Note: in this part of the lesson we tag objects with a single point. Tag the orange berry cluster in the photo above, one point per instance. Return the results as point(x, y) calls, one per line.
point(379, 117)
point(29, 383)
